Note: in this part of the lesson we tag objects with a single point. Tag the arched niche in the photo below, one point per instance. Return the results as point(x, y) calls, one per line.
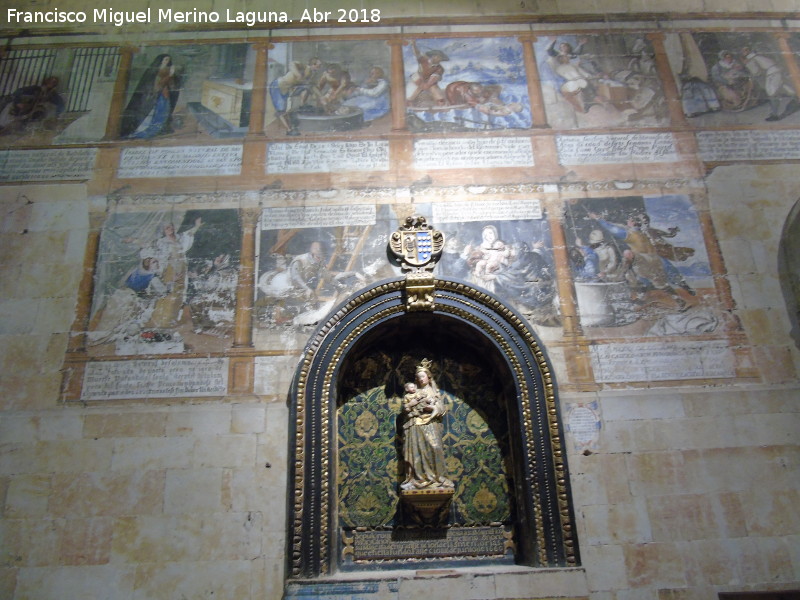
point(472, 338)
point(789, 269)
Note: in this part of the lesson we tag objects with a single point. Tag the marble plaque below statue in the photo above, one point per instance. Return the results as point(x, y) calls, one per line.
point(427, 543)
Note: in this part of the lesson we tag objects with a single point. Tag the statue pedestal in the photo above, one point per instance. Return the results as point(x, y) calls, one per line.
point(428, 505)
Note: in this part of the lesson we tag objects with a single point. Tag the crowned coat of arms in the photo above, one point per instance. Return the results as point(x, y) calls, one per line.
point(417, 245)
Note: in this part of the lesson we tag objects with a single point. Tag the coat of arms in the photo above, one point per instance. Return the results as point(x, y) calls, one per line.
point(417, 245)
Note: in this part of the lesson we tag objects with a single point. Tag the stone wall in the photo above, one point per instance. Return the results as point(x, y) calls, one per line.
point(679, 403)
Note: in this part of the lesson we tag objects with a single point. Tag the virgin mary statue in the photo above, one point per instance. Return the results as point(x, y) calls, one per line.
point(423, 453)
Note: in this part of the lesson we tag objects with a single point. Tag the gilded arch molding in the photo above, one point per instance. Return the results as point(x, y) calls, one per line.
point(542, 484)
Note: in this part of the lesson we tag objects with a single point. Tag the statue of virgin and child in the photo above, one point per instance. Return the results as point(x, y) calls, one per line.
point(423, 451)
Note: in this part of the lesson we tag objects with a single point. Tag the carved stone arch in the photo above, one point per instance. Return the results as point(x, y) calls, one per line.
point(544, 530)
point(789, 269)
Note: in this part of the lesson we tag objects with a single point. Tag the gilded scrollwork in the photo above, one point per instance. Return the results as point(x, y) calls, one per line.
point(419, 291)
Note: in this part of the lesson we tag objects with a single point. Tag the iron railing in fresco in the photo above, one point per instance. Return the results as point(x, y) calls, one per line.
point(26, 67)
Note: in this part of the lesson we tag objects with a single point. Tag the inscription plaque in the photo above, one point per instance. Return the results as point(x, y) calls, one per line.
point(748, 145)
point(323, 157)
point(47, 165)
point(473, 153)
point(457, 541)
point(180, 161)
point(163, 378)
point(662, 361)
point(616, 148)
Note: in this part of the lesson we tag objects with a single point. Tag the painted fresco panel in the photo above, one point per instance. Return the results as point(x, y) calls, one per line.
point(165, 282)
point(504, 247)
point(312, 258)
point(202, 91)
point(465, 84)
point(56, 96)
point(324, 87)
point(732, 79)
point(600, 81)
point(640, 267)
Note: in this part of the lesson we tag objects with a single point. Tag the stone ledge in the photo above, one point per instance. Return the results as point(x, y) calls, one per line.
point(487, 583)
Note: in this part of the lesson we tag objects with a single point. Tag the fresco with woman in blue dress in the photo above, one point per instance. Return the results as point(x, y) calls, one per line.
point(195, 90)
